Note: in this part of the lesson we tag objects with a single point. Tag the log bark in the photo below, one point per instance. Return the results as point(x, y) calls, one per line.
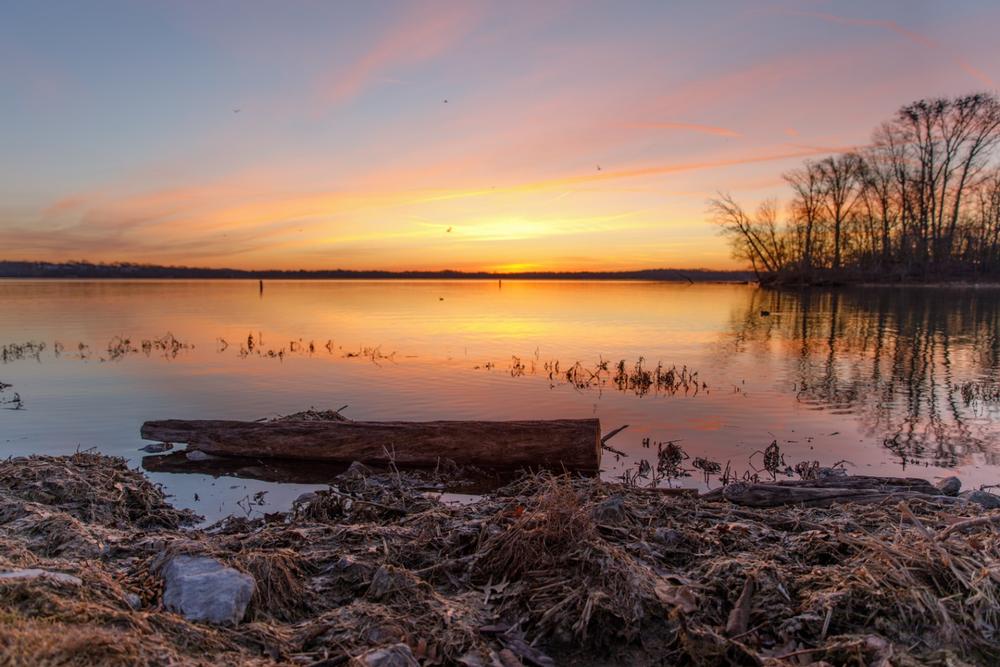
point(570, 444)
point(864, 482)
point(869, 484)
point(774, 495)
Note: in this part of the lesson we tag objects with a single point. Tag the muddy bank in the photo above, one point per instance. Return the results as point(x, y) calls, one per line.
point(546, 570)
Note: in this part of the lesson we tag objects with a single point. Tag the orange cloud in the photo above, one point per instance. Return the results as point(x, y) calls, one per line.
point(640, 172)
point(236, 217)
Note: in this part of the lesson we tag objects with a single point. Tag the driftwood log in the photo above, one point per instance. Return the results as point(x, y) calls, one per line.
point(564, 444)
point(823, 493)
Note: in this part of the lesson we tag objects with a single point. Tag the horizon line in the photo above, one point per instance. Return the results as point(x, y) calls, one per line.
point(9, 268)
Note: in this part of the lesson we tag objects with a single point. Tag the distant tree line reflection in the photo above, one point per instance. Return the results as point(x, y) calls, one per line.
point(919, 367)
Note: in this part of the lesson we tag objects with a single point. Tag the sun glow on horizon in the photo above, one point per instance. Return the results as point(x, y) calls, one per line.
point(417, 138)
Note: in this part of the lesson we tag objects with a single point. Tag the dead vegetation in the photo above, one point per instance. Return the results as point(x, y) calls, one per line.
point(118, 347)
point(545, 570)
point(10, 399)
point(17, 351)
point(627, 377)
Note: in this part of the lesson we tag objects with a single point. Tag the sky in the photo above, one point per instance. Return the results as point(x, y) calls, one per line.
point(517, 135)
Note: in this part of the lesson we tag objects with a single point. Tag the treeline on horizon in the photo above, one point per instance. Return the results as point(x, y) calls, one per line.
point(921, 202)
point(85, 269)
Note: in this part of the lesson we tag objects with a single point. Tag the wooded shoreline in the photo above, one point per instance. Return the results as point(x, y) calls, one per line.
point(126, 270)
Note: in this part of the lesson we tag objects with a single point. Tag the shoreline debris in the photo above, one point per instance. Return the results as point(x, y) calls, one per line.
point(548, 569)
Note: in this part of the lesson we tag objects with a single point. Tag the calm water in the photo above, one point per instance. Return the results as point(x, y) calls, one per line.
point(872, 376)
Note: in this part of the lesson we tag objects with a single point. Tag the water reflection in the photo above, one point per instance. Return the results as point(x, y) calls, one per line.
point(828, 375)
point(917, 367)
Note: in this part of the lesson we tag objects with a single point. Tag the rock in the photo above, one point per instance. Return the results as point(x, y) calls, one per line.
point(33, 573)
point(611, 511)
point(305, 498)
point(397, 655)
point(667, 536)
point(357, 470)
point(348, 574)
point(949, 486)
point(196, 455)
point(389, 581)
point(157, 447)
point(985, 499)
point(203, 589)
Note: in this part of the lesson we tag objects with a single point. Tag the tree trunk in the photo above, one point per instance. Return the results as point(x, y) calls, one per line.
point(570, 444)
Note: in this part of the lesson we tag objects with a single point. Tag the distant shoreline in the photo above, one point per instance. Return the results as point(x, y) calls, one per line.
point(87, 271)
point(20, 270)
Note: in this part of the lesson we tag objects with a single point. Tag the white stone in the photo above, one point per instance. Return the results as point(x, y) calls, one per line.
point(203, 589)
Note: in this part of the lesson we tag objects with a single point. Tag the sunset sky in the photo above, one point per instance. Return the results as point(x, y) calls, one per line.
point(544, 135)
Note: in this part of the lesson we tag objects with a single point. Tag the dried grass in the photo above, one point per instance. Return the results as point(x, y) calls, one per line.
point(579, 569)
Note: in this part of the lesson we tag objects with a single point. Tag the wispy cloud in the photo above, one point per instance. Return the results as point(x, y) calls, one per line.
point(639, 172)
point(422, 34)
point(691, 127)
point(911, 35)
point(219, 220)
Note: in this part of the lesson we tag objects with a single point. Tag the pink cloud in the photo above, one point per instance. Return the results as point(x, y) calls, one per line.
point(693, 127)
point(915, 37)
point(421, 35)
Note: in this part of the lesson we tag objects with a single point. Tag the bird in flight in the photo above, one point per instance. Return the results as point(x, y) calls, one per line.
point(598, 167)
point(446, 101)
point(448, 230)
point(237, 110)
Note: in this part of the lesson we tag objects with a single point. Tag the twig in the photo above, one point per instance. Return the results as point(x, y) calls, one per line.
point(612, 433)
point(739, 616)
point(968, 523)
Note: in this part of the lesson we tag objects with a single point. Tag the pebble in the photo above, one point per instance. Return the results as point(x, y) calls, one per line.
point(196, 455)
point(949, 486)
point(397, 655)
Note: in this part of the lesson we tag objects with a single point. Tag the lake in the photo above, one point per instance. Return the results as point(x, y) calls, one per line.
point(885, 380)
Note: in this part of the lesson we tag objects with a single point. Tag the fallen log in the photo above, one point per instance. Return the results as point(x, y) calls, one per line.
point(774, 495)
point(563, 444)
point(870, 484)
point(864, 482)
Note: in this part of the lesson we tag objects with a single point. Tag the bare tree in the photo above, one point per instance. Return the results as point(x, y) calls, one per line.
point(841, 183)
point(949, 142)
point(807, 205)
point(757, 240)
point(923, 200)
point(879, 193)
